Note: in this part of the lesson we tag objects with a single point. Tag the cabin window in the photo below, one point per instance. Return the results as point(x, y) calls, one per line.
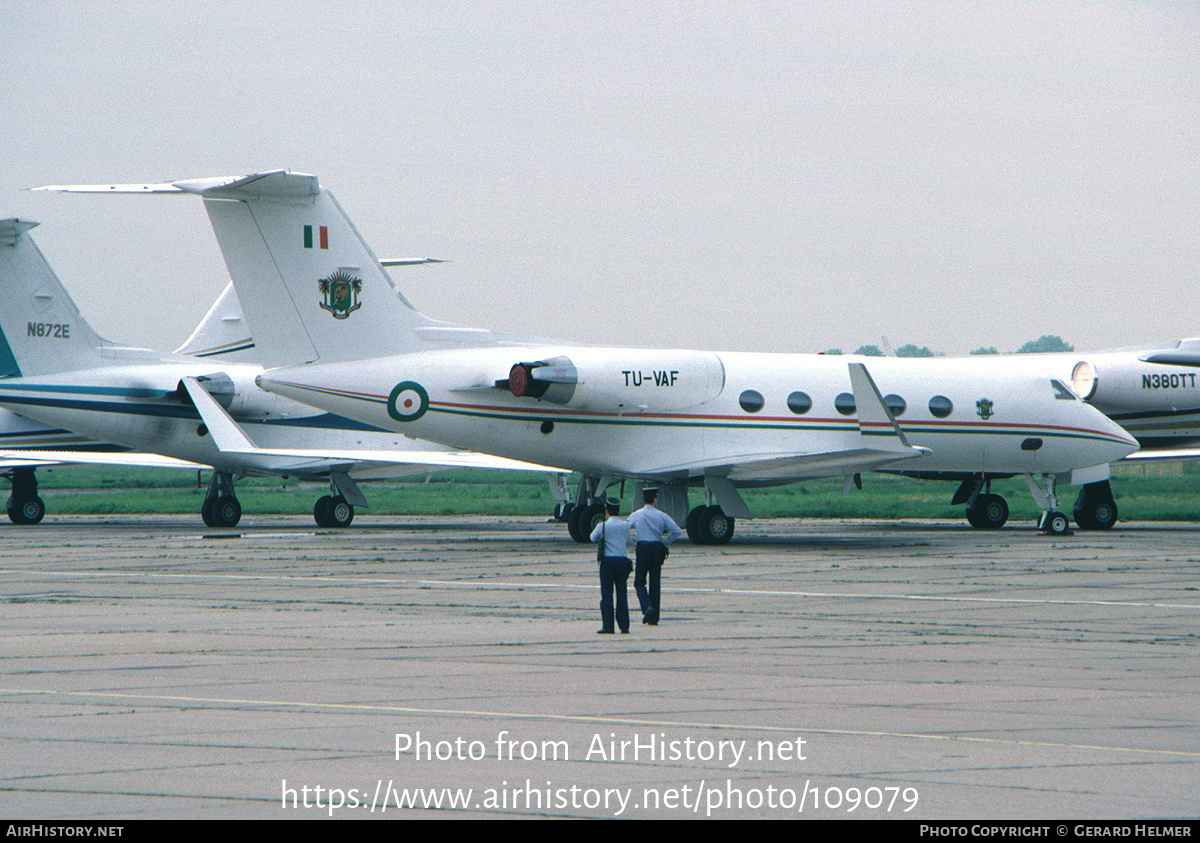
point(799, 403)
point(844, 404)
point(751, 401)
point(940, 406)
point(896, 404)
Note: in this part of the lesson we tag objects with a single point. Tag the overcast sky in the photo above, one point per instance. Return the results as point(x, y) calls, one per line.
point(779, 177)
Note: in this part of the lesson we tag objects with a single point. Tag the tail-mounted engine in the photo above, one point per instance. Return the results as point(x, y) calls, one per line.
point(619, 380)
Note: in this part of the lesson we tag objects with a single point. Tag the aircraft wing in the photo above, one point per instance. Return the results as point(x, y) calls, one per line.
point(783, 467)
point(230, 438)
point(30, 458)
point(1164, 455)
point(880, 442)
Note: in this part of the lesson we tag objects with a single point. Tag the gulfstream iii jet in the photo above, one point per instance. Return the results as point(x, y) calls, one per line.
point(326, 315)
point(198, 405)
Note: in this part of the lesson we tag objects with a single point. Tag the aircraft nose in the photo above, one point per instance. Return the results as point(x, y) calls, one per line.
point(1116, 441)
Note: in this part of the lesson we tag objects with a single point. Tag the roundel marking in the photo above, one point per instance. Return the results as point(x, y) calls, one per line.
point(408, 401)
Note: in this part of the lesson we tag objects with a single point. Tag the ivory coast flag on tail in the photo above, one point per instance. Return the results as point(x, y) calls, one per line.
point(322, 236)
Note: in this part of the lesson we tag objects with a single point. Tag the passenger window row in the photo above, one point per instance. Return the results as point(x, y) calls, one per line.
point(800, 403)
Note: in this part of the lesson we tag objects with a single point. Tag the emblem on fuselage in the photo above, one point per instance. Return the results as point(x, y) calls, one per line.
point(408, 401)
point(984, 407)
point(341, 293)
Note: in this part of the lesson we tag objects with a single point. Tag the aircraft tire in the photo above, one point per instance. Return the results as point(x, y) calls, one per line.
point(693, 525)
point(715, 526)
point(321, 511)
point(990, 512)
point(586, 519)
point(573, 522)
point(226, 511)
point(1055, 523)
point(339, 512)
point(974, 518)
point(1097, 515)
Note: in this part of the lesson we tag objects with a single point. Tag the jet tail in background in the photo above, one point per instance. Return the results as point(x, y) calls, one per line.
point(222, 334)
point(41, 329)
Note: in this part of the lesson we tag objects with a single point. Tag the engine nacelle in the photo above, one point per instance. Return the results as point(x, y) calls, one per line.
point(619, 380)
point(1123, 384)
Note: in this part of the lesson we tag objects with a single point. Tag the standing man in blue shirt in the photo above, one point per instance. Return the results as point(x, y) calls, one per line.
point(654, 530)
point(614, 568)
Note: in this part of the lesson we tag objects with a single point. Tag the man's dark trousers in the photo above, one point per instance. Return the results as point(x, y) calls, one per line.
point(650, 556)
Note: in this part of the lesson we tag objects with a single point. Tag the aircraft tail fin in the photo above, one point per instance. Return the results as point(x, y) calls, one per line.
point(222, 334)
point(41, 329)
point(309, 285)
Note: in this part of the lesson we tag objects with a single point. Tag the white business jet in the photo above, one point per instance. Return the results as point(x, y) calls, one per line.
point(326, 315)
point(56, 370)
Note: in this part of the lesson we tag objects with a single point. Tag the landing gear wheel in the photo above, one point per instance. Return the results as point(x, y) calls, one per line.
point(1055, 524)
point(321, 511)
point(715, 527)
point(339, 513)
point(33, 510)
point(28, 511)
point(226, 511)
point(1104, 515)
point(1098, 515)
point(1095, 508)
point(584, 519)
point(693, 524)
point(990, 512)
point(206, 512)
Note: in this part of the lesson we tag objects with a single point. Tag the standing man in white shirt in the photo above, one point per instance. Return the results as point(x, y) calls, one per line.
point(614, 568)
point(654, 530)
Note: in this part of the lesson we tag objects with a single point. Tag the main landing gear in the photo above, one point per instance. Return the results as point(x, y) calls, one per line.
point(985, 511)
point(709, 525)
point(333, 511)
point(221, 507)
point(24, 505)
point(1095, 508)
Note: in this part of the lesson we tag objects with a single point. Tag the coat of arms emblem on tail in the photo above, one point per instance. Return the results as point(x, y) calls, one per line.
point(341, 293)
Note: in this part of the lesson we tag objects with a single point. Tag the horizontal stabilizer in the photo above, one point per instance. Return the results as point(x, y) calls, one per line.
point(274, 184)
point(408, 261)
